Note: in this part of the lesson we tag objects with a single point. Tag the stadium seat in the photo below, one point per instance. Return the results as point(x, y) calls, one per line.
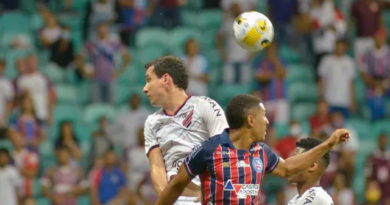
point(123, 92)
point(46, 149)
point(302, 92)
point(193, 5)
point(36, 188)
point(227, 91)
point(289, 55)
point(54, 73)
point(210, 19)
point(74, 21)
point(299, 73)
point(156, 37)
point(12, 21)
point(42, 201)
point(67, 94)
point(380, 127)
point(302, 111)
point(208, 40)
point(84, 90)
point(68, 112)
point(187, 18)
point(84, 200)
point(6, 38)
point(150, 53)
point(179, 36)
point(281, 129)
point(362, 127)
point(93, 112)
point(6, 144)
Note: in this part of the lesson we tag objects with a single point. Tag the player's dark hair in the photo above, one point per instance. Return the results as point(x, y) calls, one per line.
point(311, 142)
point(237, 109)
point(174, 67)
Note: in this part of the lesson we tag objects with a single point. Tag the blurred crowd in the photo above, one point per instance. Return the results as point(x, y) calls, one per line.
point(72, 108)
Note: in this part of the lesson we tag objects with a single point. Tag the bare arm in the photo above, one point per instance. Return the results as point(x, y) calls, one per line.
point(300, 162)
point(157, 170)
point(174, 188)
point(126, 61)
point(321, 87)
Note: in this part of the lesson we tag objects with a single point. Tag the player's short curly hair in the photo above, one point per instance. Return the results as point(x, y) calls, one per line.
point(237, 109)
point(311, 142)
point(174, 67)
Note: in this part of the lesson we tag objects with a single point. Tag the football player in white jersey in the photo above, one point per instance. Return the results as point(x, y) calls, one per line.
point(182, 123)
point(307, 181)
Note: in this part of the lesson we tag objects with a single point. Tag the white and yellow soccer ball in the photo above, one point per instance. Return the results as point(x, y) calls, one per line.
point(253, 31)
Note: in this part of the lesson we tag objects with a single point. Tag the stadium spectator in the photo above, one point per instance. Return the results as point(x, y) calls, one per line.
point(285, 146)
point(99, 11)
point(328, 24)
point(245, 5)
point(320, 121)
point(27, 125)
point(6, 95)
point(197, 67)
point(366, 14)
point(29, 201)
point(166, 13)
point(83, 70)
point(124, 133)
point(236, 68)
point(108, 184)
point(27, 162)
point(281, 13)
point(51, 31)
point(10, 179)
point(375, 71)
point(336, 80)
point(137, 171)
point(377, 170)
point(102, 52)
point(62, 184)
point(270, 75)
point(62, 49)
point(341, 193)
point(40, 89)
point(101, 141)
point(132, 16)
point(67, 138)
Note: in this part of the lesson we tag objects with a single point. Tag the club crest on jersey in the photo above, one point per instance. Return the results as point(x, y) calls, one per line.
point(257, 164)
point(242, 190)
point(188, 119)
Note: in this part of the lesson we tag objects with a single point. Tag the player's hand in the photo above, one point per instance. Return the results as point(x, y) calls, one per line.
point(338, 136)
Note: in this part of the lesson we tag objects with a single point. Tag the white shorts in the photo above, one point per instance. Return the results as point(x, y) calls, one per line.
point(187, 200)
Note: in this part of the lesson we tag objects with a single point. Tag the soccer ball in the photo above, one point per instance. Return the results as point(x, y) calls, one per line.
point(253, 31)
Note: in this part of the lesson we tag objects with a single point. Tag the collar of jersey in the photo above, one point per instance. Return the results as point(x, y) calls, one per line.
point(178, 109)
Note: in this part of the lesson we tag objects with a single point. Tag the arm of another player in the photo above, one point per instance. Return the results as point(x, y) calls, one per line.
point(157, 170)
point(175, 187)
point(297, 163)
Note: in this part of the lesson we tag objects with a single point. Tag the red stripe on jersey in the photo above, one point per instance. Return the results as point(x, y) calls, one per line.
point(234, 174)
point(218, 168)
point(185, 121)
point(205, 178)
point(248, 176)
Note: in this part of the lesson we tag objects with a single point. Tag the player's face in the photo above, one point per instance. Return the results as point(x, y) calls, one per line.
point(154, 87)
point(261, 123)
point(300, 176)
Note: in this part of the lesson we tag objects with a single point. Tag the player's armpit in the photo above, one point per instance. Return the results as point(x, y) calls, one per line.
point(174, 188)
point(157, 170)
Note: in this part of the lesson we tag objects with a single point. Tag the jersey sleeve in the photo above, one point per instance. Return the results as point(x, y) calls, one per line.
point(150, 137)
point(213, 116)
point(195, 162)
point(273, 159)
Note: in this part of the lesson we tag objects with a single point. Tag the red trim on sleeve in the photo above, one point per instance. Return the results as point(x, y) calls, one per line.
point(154, 146)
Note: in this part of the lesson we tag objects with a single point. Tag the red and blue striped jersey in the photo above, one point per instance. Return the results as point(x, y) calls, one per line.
point(230, 176)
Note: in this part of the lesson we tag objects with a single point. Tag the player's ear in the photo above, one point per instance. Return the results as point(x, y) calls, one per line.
point(166, 78)
point(313, 167)
point(250, 119)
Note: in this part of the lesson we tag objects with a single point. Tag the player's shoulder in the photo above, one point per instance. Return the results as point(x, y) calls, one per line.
point(204, 102)
point(213, 142)
point(153, 117)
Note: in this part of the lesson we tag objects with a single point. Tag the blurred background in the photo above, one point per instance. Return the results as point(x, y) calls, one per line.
point(72, 73)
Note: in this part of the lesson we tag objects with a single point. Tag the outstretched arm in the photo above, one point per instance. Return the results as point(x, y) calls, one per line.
point(157, 170)
point(174, 188)
point(300, 162)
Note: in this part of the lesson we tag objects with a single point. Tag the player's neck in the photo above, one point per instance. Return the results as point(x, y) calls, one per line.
point(302, 187)
point(176, 100)
point(240, 138)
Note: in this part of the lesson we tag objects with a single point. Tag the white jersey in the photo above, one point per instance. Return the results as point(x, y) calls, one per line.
point(312, 196)
point(198, 119)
